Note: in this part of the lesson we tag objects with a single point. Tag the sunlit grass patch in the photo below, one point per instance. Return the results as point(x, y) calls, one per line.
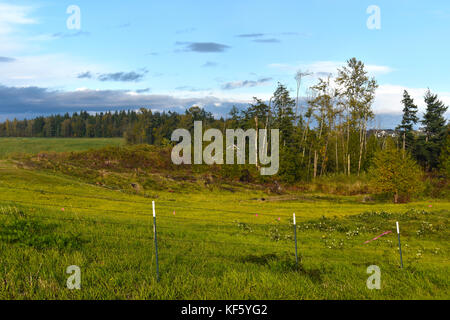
point(213, 243)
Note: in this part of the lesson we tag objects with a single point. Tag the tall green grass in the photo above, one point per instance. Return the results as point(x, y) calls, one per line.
point(213, 243)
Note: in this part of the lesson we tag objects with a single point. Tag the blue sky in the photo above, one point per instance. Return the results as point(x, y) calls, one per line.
point(173, 54)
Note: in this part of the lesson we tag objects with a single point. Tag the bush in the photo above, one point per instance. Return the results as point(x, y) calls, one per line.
point(396, 174)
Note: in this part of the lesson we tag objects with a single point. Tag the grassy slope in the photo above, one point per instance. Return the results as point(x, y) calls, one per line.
point(36, 145)
point(214, 247)
point(117, 255)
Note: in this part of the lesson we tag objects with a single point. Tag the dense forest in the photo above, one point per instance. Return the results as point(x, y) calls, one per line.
point(328, 135)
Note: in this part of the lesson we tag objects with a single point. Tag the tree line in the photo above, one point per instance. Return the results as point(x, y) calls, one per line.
point(327, 135)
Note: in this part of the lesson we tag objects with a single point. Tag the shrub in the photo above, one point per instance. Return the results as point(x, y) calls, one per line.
point(395, 173)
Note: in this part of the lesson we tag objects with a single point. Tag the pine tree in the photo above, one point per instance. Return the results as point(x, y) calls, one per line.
point(283, 106)
point(435, 130)
point(405, 129)
point(283, 112)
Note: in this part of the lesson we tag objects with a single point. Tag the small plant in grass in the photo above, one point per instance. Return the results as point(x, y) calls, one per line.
point(244, 227)
point(413, 214)
point(324, 224)
point(333, 243)
point(419, 254)
point(426, 228)
point(369, 215)
point(11, 211)
point(390, 243)
point(26, 231)
point(352, 233)
point(274, 233)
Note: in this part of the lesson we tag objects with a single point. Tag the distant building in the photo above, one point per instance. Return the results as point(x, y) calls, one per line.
point(382, 133)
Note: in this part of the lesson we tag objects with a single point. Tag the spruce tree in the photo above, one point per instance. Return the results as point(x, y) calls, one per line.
point(406, 128)
point(444, 161)
point(435, 130)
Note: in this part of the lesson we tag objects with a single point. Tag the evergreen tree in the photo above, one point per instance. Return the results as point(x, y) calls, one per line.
point(444, 162)
point(283, 106)
point(406, 128)
point(284, 116)
point(435, 131)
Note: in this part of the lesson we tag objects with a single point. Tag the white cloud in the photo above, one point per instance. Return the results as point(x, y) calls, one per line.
point(51, 70)
point(388, 98)
point(377, 70)
point(219, 96)
point(12, 18)
point(12, 15)
point(320, 68)
point(387, 101)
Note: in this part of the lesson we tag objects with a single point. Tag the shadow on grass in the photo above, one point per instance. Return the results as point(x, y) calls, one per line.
point(260, 260)
point(22, 230)
point(282, 265)
point(315, 275)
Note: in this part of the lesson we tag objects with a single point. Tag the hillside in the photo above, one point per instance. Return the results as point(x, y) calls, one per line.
point(224, 239)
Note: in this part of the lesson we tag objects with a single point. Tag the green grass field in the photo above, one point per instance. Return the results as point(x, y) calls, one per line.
point(213, 243)
point(10, 146)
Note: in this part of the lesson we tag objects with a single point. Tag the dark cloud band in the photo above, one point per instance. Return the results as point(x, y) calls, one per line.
point(117, 76)
point(203, 47)
point(7, 59)
point(122, 76)
point(245, 84)
point(35, 101)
